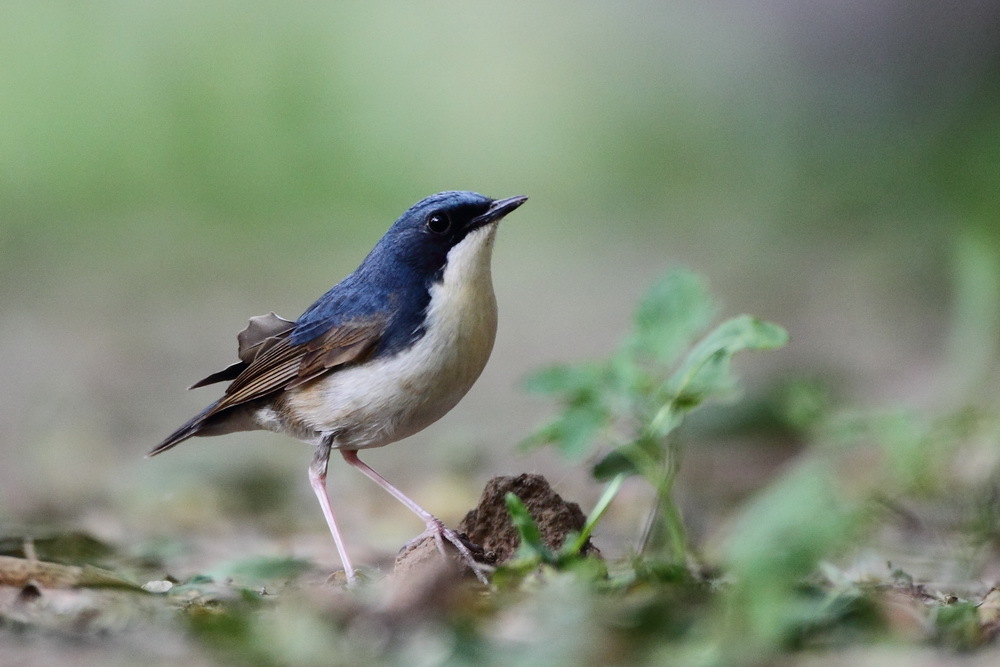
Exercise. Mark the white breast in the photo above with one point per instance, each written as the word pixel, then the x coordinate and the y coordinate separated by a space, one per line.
pixel 389 399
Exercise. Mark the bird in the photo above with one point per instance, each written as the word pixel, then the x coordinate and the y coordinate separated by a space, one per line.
pixel 383 354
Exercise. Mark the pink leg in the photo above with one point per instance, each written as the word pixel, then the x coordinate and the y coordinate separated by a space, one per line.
pixel 434 525
pixel 317 479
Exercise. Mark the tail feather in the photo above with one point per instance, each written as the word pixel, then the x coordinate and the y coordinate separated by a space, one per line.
pixel 188 430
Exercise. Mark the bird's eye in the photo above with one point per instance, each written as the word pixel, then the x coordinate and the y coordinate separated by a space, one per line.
pixel 439 223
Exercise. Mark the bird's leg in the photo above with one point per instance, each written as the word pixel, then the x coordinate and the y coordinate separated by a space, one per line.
pixel 434 525
pixel 317 479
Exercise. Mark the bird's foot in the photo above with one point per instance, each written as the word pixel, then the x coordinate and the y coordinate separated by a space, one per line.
pixel 463 546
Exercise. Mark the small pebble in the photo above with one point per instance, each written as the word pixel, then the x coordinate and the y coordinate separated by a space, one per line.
pixel 157 586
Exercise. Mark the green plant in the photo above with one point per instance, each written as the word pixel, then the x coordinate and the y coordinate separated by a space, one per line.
pixel 628 407
pixel 534 552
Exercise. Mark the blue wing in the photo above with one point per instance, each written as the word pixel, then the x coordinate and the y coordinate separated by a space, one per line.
pixel 353 302
pixel 348 325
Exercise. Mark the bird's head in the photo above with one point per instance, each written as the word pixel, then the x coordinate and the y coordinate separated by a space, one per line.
pixel 422 239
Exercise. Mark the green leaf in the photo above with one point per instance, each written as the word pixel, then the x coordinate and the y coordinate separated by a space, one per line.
pixel 576 380
pixel 532 546
pixel 705 371
pixel 634 458
pixel 958 626
pixel 778 540
pixel 571 433
pixel 784 531
pixel 615 462
pixel 582 389
pixel 573 547
pixel 671 313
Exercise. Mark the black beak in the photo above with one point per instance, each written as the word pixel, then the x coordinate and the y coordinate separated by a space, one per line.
pixel 498 209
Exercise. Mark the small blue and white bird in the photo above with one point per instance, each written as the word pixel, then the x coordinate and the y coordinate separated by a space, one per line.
pixel 382 355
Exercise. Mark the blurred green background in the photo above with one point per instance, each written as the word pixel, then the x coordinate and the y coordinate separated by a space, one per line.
pixel 169 169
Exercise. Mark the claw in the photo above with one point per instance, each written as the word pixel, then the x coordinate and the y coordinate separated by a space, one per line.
pixel 442 533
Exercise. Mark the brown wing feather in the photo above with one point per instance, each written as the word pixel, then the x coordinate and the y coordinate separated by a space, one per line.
pixel 281 365
pixel 260 333
pixel 270 363
pixel 337 347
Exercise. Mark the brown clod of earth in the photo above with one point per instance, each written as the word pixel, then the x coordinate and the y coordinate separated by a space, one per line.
pixel 489 524
pixel 492 535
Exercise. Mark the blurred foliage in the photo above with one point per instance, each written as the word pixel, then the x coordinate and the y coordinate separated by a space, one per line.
pixel 633 402
pixel 177 116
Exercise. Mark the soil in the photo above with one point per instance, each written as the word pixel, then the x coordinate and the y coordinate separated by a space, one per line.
pixel 488 528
